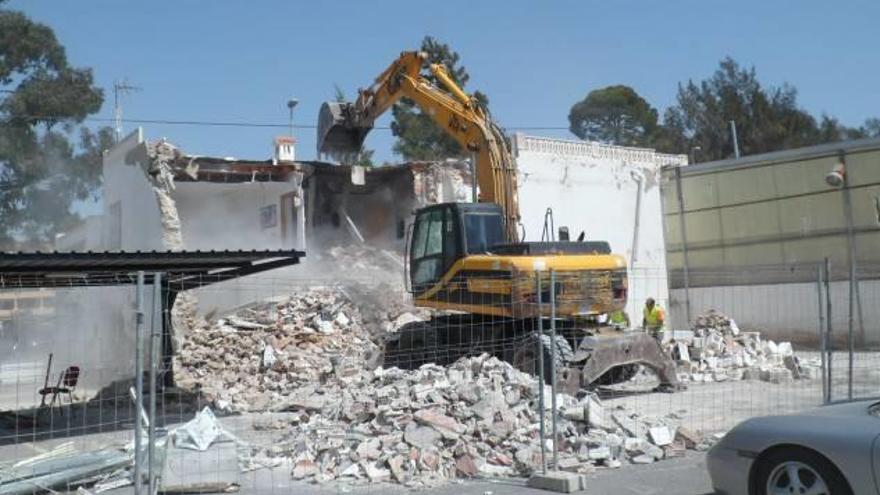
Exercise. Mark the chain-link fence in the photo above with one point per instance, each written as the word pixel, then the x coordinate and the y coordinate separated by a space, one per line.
pixel 281 381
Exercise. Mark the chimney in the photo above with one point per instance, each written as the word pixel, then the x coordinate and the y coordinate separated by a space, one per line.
pixel 284 149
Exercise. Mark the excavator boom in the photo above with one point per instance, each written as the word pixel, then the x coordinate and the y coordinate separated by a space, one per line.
pixel 343 127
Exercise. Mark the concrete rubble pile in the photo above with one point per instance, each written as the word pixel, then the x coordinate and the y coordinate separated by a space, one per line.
pixel 476 418
pixel 255 359
pixel 372 279
pixel 304 363
pixel 717 350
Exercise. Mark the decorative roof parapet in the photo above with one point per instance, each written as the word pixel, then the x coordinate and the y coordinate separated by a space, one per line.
pixel 590 149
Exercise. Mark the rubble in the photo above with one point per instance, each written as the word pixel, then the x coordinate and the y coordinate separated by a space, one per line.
pixel 274 355
pixel 350 421
pixel 311 356
pixel 718 350
pixel 425 426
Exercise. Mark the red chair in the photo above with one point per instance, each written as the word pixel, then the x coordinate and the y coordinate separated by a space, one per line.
pixel 66 384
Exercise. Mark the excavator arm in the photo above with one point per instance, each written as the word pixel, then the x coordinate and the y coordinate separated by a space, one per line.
pixel 342 127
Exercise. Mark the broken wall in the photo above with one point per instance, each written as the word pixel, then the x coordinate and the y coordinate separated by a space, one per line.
pixel 131 214
pixel 232 216
pixel 381 206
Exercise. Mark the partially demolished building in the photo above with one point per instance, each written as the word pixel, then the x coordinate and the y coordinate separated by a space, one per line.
pixel 607 192
pixel 227 203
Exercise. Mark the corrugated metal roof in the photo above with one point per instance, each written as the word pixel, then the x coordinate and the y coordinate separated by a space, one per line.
pixel 186 268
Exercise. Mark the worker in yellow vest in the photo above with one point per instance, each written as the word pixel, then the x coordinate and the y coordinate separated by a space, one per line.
pixel 653 319
pixel 619 319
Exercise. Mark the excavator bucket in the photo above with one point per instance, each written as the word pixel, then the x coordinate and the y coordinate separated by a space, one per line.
pixel 338 135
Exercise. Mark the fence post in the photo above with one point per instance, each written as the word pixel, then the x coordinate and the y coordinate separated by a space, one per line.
pixel 553 352
pixel 139 381
pixel 828 328
pixel 822 343
pixel 540 371
pixel 155 339
pixel 684 245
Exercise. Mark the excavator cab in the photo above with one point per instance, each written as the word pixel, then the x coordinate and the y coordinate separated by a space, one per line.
pixel 445 233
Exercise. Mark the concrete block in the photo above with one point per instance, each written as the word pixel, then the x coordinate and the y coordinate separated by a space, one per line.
pixel 660 435
pixel 557 481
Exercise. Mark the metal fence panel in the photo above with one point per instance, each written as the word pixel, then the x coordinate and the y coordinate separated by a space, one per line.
pixel 283 388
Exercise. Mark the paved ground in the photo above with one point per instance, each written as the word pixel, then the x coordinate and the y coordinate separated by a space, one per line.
pixel 684 476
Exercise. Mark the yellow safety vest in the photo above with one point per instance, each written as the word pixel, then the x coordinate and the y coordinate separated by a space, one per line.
pixel 654 318
pixel 618 317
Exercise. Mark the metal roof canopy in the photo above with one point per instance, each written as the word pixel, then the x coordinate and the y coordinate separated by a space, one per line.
pixel 183 269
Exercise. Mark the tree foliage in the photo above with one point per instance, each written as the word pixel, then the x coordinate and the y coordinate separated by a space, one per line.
pixel 418 137
pixel 767 118
pixel 47 162
pixel 614 115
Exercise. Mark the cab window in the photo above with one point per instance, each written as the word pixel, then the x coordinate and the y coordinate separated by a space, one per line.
pixel 482 231
pixel 434 247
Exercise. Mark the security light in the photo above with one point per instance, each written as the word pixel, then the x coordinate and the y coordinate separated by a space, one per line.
pixel 837 176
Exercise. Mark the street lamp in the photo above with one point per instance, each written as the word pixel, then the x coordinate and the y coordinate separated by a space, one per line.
pixel 291 104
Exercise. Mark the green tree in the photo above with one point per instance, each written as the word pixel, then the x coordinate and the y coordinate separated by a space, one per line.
pixel 767 118
pixel 418 137
pixel 614 115
pixel 43 100
pixel 871 127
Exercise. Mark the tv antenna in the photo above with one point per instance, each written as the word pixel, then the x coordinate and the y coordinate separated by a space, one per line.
pixel 120 88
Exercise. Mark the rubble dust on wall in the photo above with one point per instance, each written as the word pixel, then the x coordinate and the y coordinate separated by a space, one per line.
pixel 442 182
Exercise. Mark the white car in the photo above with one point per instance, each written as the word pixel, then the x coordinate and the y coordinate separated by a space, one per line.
pixel 831 450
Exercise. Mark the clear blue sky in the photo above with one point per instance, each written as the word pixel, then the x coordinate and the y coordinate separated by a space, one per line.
pixel 241 61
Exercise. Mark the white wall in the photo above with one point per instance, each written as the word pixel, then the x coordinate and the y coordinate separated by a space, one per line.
pixel 213 215
pixel 592 187
pixel 227 216
pixel 128 186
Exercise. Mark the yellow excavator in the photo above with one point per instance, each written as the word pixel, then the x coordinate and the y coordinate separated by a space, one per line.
pixel 468 259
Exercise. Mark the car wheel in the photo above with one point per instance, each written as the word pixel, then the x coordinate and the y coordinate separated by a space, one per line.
pixel 794 471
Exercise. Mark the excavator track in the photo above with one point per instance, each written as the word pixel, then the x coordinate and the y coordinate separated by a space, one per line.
pixel 582 361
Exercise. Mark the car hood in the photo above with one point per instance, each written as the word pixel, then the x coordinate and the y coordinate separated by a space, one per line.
pixel 812 428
